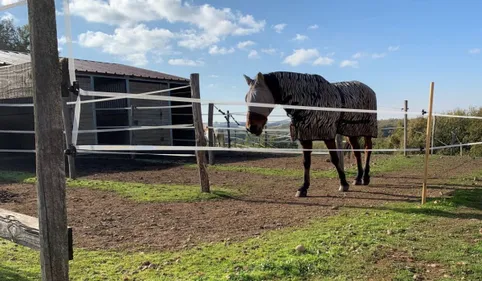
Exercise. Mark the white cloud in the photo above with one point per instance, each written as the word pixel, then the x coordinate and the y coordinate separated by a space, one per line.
pixel 270 51
pixel 393 48
pixel 190 39
pixel 349 63
pixel 62 40
pixel 301 56
pixel 206 17
pixel 315 26
pixel 214 76
pixel 208 25
pixel 279 27
pixel 9 16
pixel 244 44
pixel 215 50
pixel 212 85
pixel 330 54
pixel 323 61
pixel 474 51
pixel 130 43
pixel 185 62
pixel 282 54
pixel 300 37
pixel 378 55
pixel 253 54
pixel 358 55
pixel 8 2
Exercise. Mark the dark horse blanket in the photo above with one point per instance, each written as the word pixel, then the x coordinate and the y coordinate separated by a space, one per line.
pixel 292 88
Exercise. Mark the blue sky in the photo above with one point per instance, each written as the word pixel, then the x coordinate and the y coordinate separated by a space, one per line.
pixel 396 47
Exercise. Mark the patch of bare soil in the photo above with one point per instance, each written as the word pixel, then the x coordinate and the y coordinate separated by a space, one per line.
pixel 104 220
pixel 7 196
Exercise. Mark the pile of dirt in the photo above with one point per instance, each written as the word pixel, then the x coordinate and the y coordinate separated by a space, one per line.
pixel 7 196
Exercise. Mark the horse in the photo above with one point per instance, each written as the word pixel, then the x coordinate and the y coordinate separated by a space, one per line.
pixel 292 88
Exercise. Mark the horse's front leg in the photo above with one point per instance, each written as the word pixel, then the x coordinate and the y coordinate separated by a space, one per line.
pixel 303 190
pixel 368 153
pixel 331 145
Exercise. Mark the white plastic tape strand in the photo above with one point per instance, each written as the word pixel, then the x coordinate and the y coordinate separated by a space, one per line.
pixel 207 148
pixel 16 132
pixel 162 107
pixel 455 145
pixel 135 153
pixel 68 37
pixel 12 5
pixel 457 116
pixel 16 104
pixel 115 96
pixel 76 122
pixel 244 129
pixel 187 126
pixel 16 151
pixel 241 103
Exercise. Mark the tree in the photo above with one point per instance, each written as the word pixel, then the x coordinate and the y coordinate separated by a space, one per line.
pixel 14 38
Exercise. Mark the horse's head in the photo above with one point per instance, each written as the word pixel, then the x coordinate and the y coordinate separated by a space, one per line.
pixel 258 93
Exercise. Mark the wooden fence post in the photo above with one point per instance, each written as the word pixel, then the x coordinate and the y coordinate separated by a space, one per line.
pixel 211 132
pixel 405 128
pixel 66 116
pixel 427 144
pixel 47 100
pixel 229 126
pixel 199 130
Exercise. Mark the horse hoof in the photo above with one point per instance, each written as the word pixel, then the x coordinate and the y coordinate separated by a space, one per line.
pixel 366 181
pixel 343 188
pixel 357 182
pixel 302 193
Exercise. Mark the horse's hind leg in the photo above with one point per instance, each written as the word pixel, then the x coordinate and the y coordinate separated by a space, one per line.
pixel 303 190
pixel 331 145
pixel 368 153
pixel 356 145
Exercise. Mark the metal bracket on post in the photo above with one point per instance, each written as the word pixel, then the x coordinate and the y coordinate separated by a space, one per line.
pixel 75 88
pixel 71 151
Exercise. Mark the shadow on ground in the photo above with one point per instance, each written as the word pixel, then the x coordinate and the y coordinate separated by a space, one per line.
pixel 92 164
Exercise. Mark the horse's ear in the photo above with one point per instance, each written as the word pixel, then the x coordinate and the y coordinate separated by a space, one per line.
pixel 259 76
pixel 248 80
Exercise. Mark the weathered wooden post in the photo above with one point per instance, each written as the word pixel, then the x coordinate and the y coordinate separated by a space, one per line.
pixel 211 132
pixel 49 136
pixel 199 131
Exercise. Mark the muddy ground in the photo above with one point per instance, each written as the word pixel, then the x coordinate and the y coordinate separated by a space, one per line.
pixel 104 220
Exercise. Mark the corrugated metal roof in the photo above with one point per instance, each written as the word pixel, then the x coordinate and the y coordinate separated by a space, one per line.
pixel 10 57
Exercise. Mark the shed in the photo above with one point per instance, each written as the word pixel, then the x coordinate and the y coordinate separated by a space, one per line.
pixel 15 87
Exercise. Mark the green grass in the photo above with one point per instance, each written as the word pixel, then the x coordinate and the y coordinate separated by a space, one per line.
pixel 392 242
pixel 391 164
pixel 139 192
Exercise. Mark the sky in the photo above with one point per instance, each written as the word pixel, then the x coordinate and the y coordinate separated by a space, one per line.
pixel 396 47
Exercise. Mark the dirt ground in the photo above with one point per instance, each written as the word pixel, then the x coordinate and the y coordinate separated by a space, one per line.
pixel 104 220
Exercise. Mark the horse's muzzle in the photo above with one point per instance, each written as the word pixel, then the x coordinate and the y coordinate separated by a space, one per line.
pixel 254 129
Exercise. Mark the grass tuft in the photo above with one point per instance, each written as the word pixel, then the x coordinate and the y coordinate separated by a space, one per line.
pixel 139 192
pixel 391 164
